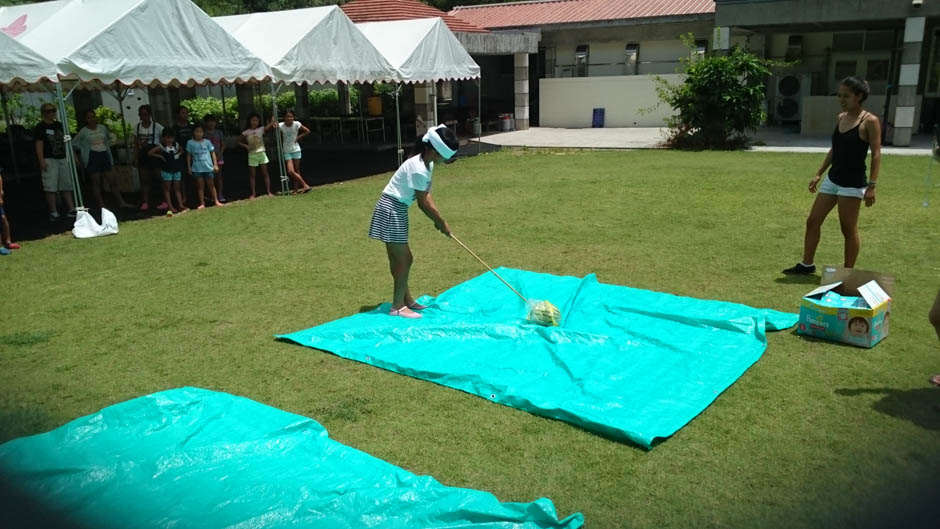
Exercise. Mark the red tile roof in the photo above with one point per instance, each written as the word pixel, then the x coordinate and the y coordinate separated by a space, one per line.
pixel 383 10
pixel 545 12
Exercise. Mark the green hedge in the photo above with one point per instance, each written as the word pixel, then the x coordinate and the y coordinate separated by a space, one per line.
pixel 322 103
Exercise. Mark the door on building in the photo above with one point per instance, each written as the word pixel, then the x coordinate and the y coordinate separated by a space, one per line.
pixel 873 68
pixel 863 54
pixel 536 72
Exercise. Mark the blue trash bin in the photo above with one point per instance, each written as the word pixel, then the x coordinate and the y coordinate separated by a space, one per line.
pixel 598 121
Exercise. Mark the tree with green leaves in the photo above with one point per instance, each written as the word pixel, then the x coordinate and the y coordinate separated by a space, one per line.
pixel 720 99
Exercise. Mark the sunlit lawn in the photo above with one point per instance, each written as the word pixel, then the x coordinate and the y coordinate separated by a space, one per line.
pixel 813 435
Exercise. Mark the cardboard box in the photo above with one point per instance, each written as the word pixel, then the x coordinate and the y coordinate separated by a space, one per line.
pixel 864 323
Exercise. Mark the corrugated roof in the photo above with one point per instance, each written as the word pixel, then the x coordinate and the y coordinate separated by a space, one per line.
pixel 546 12
pixel 384 10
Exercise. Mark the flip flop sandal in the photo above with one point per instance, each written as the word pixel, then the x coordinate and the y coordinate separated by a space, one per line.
pixel 935 380
pixel 404 314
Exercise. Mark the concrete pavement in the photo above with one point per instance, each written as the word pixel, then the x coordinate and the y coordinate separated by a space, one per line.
pixel 769 139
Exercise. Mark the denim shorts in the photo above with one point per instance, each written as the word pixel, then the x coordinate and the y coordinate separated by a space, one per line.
pixel 292 155
pixel 207 175
pixel 171 177
pixel 828 187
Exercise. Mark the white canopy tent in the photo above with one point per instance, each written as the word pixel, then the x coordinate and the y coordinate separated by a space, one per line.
pixel 122 43
pixel 18 19
pixel 21 66
pixel 142 42
pixel 313 45
pixel 24 68
pixel 421 51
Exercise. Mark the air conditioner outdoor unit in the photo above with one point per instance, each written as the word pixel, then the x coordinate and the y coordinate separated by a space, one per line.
pixel 789 91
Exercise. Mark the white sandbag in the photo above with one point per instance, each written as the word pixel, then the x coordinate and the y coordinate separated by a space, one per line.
pixel 109 223
pixel 85 226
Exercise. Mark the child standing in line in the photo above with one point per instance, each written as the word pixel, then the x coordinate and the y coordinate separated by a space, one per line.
pixel 217 137
pixel 93 143
pixel 8 243
pixel 147 137
pixel 184 129
pixel 291 133
pixel 184 133
pixel 171 161
pixel 412 181
pixel 253 139
pixel 202 165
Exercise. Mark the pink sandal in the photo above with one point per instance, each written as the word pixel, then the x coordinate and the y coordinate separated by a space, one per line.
pixel 417 306
pixel 404 312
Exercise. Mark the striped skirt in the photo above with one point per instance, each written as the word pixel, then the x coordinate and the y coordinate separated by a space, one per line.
pixel 389 221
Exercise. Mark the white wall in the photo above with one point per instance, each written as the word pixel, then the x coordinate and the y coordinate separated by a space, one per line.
pixel 607 58
pixel 820 113
pixel 661 56
pixel 569 102
pixel 660 46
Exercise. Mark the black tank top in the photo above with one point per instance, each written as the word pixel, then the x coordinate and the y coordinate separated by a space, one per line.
pixel 848 157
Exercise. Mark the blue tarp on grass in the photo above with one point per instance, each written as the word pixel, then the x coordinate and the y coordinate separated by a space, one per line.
pixel 629 364
pixel 193 458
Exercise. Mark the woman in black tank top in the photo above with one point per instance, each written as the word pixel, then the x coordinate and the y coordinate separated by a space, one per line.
pixel 845 186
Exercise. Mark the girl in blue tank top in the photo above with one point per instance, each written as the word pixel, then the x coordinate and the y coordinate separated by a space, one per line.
pixel 856 131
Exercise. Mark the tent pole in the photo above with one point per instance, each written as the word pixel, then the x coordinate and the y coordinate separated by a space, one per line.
pixel 222 117
pixel 69 155
pixel 6 115
pixel 120 96
pixel 398 123
pixel 285 185
pixel 480 112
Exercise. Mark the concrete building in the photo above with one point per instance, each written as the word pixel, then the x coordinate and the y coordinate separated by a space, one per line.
pixel 595 54
pixel 893 44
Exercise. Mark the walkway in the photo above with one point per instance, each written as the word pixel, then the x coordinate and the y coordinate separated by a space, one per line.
pixel 766 139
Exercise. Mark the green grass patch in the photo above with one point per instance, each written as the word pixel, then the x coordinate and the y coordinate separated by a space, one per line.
pixel 813 435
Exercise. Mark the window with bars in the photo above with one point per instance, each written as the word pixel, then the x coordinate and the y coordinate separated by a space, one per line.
pixel 631 58
pixel 581 57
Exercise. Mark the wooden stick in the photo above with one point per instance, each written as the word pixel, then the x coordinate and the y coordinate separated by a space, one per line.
pixel 464 246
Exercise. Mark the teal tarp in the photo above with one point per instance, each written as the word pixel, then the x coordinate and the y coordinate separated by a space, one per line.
pixel 193 458
pixel 629 364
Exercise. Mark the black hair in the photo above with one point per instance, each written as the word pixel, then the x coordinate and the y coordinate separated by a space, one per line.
pixel 181 107
pixel 209 117
pixel 253 115
pixel 90 110
pixel 446 134
pixel 858 87
pixel 168 133
pixel 290 111
pixel 145 107
pixel 199 125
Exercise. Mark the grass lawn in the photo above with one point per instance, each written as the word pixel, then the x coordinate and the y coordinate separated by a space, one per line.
pixel 813 435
